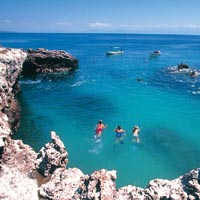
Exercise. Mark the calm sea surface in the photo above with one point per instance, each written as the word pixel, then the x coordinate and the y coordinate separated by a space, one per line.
pixel 165 105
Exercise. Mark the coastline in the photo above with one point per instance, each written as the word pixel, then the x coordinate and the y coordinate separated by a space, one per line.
pixel 47 170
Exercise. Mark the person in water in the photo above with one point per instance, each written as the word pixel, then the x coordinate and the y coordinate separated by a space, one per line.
pixel 119 134
pixel 135 132
pixel 99 128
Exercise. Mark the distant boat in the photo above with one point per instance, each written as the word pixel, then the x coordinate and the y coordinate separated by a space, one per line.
pixel 155 53
pixel 114 51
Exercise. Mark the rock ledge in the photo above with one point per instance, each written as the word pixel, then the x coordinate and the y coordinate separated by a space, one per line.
pixel 48 61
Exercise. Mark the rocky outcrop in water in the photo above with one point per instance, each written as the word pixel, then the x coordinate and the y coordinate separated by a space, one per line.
pixel 182 66
pixel 47 61
pixel 184 69
pixel 27 175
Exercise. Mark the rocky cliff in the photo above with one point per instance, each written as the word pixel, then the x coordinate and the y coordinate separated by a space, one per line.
pixel 11 61
pixel 27 175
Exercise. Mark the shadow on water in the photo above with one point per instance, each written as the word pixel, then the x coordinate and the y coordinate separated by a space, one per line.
pixel 168 144
pixel 39 90
pixel 29 129
pixel 55 77
pixel 90 106
pixel 119 75
pixel 58 76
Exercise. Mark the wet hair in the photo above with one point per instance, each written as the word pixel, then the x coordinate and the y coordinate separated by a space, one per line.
pixel 136 127
pixel 118 127
pixel 100 121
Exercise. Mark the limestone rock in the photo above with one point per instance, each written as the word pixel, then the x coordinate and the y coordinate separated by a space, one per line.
pixel 17 154
pixel 10 68
pixel 11 61
pixel 52 156
pixel 16 168
pixel 102 185
pixel 73 184
pixel 63 184
pixel 185 187
pixel 45 61
pixel 16 185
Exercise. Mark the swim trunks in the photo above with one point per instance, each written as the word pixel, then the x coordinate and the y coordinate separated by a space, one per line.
pixel 135 135
pixel 99 130
pixel 119 134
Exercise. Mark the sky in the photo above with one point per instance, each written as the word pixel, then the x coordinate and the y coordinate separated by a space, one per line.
pixel 101 16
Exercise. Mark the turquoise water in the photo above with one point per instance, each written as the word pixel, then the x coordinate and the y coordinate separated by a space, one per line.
pixel 166 106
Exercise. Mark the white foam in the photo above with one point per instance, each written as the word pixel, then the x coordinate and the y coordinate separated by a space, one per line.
pixel 29 82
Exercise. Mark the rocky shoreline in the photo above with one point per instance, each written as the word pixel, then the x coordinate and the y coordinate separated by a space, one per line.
pixel 26 174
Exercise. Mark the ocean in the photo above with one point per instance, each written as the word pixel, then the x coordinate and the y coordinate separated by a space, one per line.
pixel 165 105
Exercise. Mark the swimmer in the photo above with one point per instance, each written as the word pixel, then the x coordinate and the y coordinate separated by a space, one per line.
pixel 135 132
pixel 99 128
pixel 119 134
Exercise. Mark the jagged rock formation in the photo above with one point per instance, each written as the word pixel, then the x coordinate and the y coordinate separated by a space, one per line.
pixel 73 184
pixel 185 187
pixel 16 168
pixel 52 156
pixel 27 175
pixel 10 68
pixel 16 159
pixel 46 61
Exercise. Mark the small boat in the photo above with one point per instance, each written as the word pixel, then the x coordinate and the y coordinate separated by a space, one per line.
pixel 155 54
pixel 114 51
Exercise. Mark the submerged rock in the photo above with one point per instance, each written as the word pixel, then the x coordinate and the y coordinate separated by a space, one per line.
pixel 47 61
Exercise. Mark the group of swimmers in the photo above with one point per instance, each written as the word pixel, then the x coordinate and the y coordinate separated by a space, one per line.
pixel 120 133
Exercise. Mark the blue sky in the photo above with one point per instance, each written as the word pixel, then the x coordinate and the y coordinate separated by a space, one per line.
pixel 103 16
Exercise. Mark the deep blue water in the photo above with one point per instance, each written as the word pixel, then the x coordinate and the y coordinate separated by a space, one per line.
pixel 165 105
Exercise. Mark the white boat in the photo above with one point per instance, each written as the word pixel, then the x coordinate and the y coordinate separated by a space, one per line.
pixel 115 51
pixel 156 53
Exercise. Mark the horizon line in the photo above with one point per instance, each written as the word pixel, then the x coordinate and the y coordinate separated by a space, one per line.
pixel 125 33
